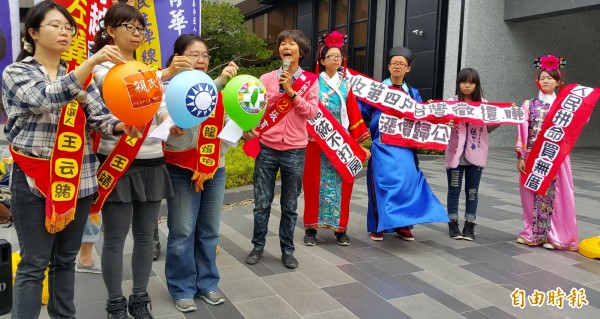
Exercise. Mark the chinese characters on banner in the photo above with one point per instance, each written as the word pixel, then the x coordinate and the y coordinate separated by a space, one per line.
pixel 165 21
pixel 411 133
pixel 335 142
pixel 409 123
pixel 568 114
pixel 87 14
pixel 396 102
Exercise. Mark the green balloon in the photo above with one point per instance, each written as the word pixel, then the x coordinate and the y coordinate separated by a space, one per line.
pixel 245 100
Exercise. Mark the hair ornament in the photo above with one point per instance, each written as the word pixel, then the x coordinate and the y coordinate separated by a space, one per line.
pixel 549 63
pixel 334 39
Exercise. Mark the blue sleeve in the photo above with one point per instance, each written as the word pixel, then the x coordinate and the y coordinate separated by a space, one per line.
pixel 366 110
pixel 416 94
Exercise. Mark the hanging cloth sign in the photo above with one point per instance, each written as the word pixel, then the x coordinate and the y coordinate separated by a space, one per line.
pixel 394 101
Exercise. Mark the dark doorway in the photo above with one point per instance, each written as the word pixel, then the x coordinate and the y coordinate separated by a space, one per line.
pixel 425 34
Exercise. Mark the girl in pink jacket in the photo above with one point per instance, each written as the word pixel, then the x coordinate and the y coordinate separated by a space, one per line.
pixel 466 155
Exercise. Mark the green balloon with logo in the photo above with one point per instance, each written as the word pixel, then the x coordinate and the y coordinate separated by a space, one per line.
pixel 245 101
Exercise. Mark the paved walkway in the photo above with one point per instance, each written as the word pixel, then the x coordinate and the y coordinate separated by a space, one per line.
pixel 432 277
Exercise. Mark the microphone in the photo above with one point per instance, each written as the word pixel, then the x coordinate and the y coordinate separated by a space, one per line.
pixel 284 67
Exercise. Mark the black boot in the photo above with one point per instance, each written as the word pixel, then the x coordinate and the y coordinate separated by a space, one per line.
pixel 454 230
pixel 140 306
pixel 117 308
pixel 469 230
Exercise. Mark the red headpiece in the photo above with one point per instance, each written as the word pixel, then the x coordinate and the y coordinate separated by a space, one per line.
pixel 334 39
pixel 549 63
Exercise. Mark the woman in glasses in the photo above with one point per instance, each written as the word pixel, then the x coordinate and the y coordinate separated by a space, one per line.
pixel 135 199
pixel 47 128
pixel 195 209
pixel 326 194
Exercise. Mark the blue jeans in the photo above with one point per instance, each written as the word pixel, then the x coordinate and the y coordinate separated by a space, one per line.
pixel 91 233
pixel 268 163
pixel 40 249
pixel 194 218
pixel 472 176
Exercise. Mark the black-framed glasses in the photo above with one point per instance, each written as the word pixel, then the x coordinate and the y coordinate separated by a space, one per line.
pixel 333 57
pixel 69 29
pixel 198 57
pixel 131 28
pixel 398 64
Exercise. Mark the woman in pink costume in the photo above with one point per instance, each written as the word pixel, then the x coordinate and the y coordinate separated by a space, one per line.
pixel 548 220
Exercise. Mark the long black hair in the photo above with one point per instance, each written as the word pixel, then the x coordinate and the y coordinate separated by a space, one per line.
pixel 116 15
pixel 33 20
pixel 471 76
pixel 184 41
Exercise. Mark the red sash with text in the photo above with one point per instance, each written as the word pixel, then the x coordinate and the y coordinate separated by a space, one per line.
pixel 410 123
pixel 281 108
pixel 115 166
pixel 204 159
pixel 57 178
pixel 344 153
pixel 568 114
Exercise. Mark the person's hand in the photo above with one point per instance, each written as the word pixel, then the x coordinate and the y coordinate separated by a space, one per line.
pixel 285 80
pixel 109 53
pixel 228 73
pixel 521 165
pixel 450 123
pixel 176 131
pixel 366 151
pixel 181 63
pixel 134 131
pixel 248 135
pixel 129 130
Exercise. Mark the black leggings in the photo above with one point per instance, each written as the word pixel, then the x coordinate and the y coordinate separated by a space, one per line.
pixel 117 218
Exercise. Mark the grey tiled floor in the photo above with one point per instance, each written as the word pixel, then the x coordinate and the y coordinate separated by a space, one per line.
pixel 432 277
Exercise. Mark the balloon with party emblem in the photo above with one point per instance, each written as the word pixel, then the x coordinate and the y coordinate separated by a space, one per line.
pixel 191 97
pixel 132 92
pixel 245 101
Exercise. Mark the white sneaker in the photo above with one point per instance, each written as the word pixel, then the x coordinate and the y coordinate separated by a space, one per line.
pixel 520 240
pixel 92 269
pixel 213 298
pixel 548 246
pixel 185 305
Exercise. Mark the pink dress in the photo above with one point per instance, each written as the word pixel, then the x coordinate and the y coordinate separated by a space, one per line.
pixel 550 218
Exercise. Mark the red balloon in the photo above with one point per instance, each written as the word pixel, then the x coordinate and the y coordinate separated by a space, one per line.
pixel 132 92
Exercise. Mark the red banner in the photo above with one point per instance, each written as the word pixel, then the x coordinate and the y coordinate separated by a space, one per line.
pixel 568 114
pixel 335 142
pixel 115 166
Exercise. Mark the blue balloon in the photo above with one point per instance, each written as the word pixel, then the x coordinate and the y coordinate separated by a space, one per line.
pixel 191 97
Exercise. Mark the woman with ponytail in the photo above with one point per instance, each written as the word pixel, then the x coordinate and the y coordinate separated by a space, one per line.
pixel 50 113
pixel 136 195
